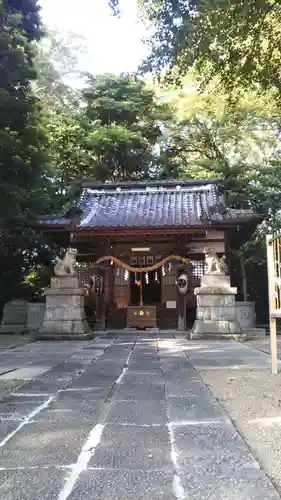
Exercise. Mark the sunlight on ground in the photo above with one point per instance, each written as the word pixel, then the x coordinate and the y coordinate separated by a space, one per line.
pixel 266 421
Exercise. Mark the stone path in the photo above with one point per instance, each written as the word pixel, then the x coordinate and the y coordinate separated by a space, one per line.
pixel 123 418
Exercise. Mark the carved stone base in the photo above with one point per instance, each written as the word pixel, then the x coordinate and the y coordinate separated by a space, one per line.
pixel 217 327
pixel 64 314
pixel 216 312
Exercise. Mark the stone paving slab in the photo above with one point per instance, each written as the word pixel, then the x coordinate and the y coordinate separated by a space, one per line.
pixel 187 375
pixel 99 369
pixel 7 426
pixel 15 410
pixel 139 392
pixel 215 355
pixel 123 485
pixel 130 419
pixel 42 386
pixel 54 375
pixel 204 484
pixel 63 369
pixel 185 388
pixel 194 409
pixel 90 381
pixel 134 413
pixel 45 444
pixel 71 411
pixel 263 344
pixel 15 398
pixel 26 373
pixel 145 366
pixel 12 341
pixel 144 370
pixel 133 447
pixel 88 394
pixel 132 377
pixel 7 386
pixel 39 484
pixel 213 444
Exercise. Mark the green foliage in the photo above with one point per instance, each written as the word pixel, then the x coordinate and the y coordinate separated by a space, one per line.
pixel 210 138
pixel 126 126
pixel 239 41
pixel 24 184
pixel 115 134
pixel 69 155
pixel 240 143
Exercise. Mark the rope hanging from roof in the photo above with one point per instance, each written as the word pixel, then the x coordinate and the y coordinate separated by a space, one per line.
pixel 142 269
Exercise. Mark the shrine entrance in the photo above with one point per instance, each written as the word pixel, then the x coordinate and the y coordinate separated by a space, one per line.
pixel 149 285
pixel 144 292
pixel 146 228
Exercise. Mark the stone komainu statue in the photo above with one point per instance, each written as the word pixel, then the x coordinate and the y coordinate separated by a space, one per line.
pixel 214 264
pixel 66 266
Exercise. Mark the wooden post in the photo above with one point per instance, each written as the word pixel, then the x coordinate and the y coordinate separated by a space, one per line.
pixel 100 305
pixel 141 297
pixel 111 285
pixel 271 302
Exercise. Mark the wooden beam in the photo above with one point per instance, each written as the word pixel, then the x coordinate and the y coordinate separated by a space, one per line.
pixel 139 231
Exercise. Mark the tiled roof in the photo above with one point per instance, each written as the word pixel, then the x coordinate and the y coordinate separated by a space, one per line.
pixel 169 204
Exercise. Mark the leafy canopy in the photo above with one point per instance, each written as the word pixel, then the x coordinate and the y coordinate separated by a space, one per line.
pixel 24 184
pixel 210 138
pixel 239 41
pixel 113 135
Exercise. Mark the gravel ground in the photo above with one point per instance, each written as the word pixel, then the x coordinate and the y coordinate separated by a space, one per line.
pixel 263 344
pixel 253 401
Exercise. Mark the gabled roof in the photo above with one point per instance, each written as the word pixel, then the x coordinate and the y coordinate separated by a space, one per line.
pixel 166 204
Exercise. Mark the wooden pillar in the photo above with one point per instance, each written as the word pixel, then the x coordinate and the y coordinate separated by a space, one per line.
pixel 111 285
pixel 99 296
pixel 141 292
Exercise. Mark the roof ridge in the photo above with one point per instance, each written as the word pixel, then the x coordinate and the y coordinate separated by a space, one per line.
pixel 149 183
pixel 143 190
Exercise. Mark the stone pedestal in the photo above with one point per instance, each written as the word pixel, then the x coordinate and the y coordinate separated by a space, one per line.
pixel 216 311
pixel 14 317
pixel 35 316
pixel 64 317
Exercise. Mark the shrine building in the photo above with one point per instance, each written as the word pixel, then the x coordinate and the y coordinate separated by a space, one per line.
pixel 134 238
